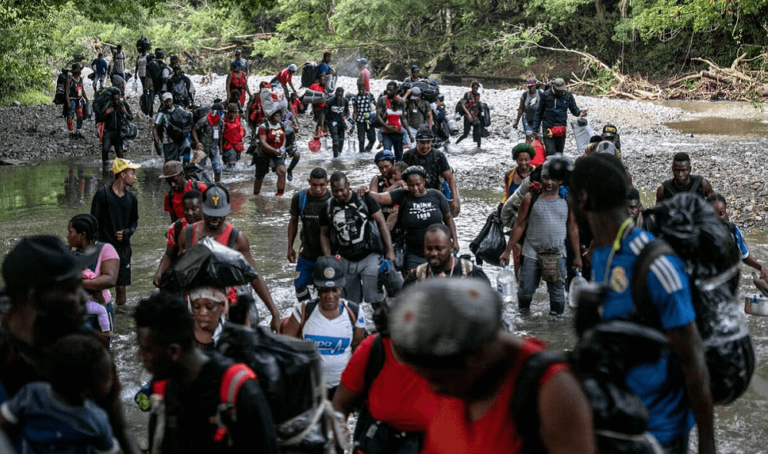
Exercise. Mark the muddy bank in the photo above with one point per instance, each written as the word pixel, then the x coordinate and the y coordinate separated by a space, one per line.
pixel 733 163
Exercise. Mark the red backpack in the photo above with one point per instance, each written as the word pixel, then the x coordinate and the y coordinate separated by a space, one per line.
pixel 233 135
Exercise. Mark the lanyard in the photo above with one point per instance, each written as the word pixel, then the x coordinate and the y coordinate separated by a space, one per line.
pixel 617 245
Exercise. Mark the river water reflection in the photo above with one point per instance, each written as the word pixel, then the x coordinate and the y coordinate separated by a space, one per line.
pixel 41 199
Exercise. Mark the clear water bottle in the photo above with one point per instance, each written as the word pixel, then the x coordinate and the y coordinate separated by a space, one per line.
pixel 505 284
pixel 573 291
pixel 324 142
pixel 135 85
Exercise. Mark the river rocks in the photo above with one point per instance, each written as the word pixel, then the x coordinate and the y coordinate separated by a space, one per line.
pixel 16 104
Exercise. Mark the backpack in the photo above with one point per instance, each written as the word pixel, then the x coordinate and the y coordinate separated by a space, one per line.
pixel 199 113
pixel 155 69
pixel 233 133
pixel 352 310
pixel 429 90
pixel 60 97
pixel 102 101
pixel 179 91
pixel 373 241
pixel 308 74
pixel 180 124
pixel 686 226
pixel 145 102
pixel 143 44
pixel 289 373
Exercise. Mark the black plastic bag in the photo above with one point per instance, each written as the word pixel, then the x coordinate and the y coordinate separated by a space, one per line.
pixel 288 369
pixel 208 263
pixel 197 173
pixel 389 278
pixel 490 243
pixel 690 226
pixel 227 267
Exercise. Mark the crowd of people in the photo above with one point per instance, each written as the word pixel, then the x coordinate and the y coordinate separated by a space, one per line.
pixel 436 371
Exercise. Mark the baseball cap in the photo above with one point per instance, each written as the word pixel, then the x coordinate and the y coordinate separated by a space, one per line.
pixel 558 84
pixel 171 169
pixel 529 132
pixel 120 164
pixel 610 130
pixel 362 60
pixel 414 68
pixel 216 201
pixel 42 260
pixel 384 155
pixel 424 134
pixel 166 96
pixel 606 146
pixel 442 318
pixel 76 67
pixel 292 67
pixel 530 82
pixel 328 273
pixel 416 92
pixel 238 51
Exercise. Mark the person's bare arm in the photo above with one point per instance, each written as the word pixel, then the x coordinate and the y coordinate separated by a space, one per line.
pixel 706 186
pixel 325 239
pixel 293 228
pixel 573 235
pixel 518 229
pixel 456 202
pixel 659 194
pixel 382 198
pixel 687 346
pixel 520 111
pixel 107 277
pixel 293 327
pixel 165 262
pixel 374 184
pixel 385 236
pixel 357 337
pixel 565 417
pixel 448 220
pixel 750 261
pixel 243 246
pixel 345 401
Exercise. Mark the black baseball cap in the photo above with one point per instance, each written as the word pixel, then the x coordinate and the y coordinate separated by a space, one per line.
pixel 43 260
pixel 328 272
pixel 216 201
pixel 610 130
pixel 414 68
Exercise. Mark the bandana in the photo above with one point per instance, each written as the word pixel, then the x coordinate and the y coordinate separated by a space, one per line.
pixel 210 293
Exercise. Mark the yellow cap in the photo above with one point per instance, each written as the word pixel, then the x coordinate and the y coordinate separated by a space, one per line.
pixel 121 164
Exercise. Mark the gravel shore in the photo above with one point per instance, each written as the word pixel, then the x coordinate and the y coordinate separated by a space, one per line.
pixel 734 165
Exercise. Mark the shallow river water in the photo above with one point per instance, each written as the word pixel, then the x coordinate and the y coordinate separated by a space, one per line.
pixel 41 199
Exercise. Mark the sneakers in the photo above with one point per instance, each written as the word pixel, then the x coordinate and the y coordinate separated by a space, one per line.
pixel 278 194
pixel 289 175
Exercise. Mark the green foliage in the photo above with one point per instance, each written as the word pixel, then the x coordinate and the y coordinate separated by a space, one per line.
pixel 26 97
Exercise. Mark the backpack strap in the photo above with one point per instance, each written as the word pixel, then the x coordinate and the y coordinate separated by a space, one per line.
pixel 353 310
pixel 640 295
pixel 525 399
pixel 177 230
pixel 696 183
pixel 233 237
pixel 375 362
pixel 306 310
pixel 189 231
pixel 303 200
pixel 234 378
pixel 669 189
pixel 99 246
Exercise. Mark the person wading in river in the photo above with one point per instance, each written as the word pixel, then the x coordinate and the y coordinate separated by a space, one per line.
pixel 117 211
pixel 215 225
pixel 683 181
pixel 192 205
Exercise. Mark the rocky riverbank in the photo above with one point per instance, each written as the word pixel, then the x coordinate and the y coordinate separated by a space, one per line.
pixel 733 164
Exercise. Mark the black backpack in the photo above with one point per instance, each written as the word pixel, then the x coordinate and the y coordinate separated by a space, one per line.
pixel 145 102
pixel 373 239
pixel 308 74
pixel 155 69
pixel 102 101
pixel 143 44
pixel 60 97
pixel 180 124
pixel 179 91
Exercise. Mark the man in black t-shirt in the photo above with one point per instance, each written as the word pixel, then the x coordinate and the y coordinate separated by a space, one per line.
pixel 336 113
pixel 117 211
pixel 344 228
pixel 438 246
pixel 435 165
pixel 187 419
pixel 307 206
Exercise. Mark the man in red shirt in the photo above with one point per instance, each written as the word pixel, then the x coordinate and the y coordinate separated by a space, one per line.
pixel 285 77
pixel 173 174
pixel 450 332
pixel 192 203
pixel 318 109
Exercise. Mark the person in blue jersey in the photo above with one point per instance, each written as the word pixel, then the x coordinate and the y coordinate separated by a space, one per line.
pixel 336 326
pixel 719 204
pixel 675 390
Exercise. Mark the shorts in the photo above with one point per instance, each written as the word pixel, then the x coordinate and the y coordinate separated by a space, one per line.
pixel 304 270
pixel 264 165
pixel 124 271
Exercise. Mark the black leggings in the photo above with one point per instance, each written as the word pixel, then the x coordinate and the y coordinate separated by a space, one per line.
pixel 476 130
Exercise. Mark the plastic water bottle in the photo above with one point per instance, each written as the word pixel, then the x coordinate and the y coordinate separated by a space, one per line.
pixel 135 85
pixel 505 284
pixel 573 290
pixel 324 141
